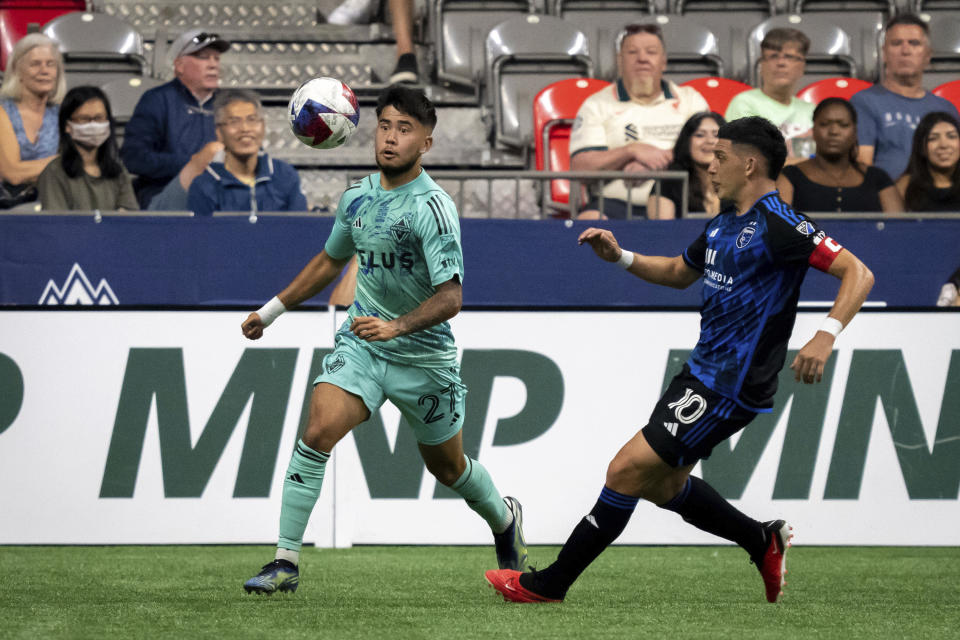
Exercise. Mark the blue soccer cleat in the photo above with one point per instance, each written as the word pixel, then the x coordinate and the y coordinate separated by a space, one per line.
pixel 279 575
pixel 510 545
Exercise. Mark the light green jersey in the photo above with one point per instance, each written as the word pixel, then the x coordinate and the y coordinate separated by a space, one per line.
pixel 407 241
pixel 794 119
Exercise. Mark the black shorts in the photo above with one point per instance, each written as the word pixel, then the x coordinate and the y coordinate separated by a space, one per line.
pixel 690 420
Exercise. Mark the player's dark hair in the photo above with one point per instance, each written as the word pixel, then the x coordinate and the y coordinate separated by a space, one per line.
pixel 409 100
pixel 760 134
pixel 108 157
pixel 908 19
pixel 854 153
pixel 920 185
pixel 683 160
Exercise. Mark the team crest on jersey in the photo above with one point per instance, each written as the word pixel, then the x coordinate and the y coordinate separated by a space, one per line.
pixel 400 229
pixel 746 235
pixel 805 228
pixel 336 364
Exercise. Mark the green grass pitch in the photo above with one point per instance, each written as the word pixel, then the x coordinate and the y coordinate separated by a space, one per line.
pixel 440 593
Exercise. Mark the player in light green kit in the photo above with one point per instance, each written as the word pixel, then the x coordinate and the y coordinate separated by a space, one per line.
pixel 396 343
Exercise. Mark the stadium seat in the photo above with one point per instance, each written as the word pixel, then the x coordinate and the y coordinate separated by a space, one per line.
pixel 601 21
pixel 525 54
pixel 731 21
pixel 124 92
pixel 554 109
pixel 718 92
pixel 16 16
pixel 834 51
pixel 832 88
pixel 460 29
pixel 950 91
pixel 944 50
pixel 888 7
pixel 97 48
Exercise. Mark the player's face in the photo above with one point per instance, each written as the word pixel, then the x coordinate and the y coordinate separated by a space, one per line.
pixel 906 50
pixel 782 70
pixel 834 132
pixel 943 146
pixel 401 140
pixel 642 62
pixel 703 140
pixel 199 72
pixel 727 171
pixel 38 70
pixel 240 128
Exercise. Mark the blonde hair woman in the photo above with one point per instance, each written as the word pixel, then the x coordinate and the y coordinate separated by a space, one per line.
pixel 32 87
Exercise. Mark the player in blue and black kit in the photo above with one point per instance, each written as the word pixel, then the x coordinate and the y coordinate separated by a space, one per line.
pixel 396 343
pixel 752 260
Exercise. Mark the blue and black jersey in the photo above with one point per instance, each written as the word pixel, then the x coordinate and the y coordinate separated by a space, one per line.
pixel 753 265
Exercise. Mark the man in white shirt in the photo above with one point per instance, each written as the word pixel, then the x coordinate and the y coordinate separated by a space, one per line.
pixel 633 124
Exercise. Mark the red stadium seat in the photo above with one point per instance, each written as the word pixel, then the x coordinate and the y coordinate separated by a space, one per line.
pixel 554 109
pixel 832 88
pixel 718 92
pixel 949 91
pixel 17 15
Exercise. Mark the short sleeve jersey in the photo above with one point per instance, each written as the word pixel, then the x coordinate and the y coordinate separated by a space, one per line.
pixel 609 119
pixel 407 241
pixel 886 121
pixel 794 119
pixel 753 265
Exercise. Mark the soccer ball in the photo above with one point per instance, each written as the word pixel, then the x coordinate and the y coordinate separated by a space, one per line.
pixel 323 113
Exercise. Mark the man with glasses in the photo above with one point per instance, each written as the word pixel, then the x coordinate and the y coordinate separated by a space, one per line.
pixel 782 63
pixel 888 113
pixel 633 124
pixel 247 179
pixel 172 125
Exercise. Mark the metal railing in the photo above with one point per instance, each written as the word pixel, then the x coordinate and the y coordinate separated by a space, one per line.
pixel 578 179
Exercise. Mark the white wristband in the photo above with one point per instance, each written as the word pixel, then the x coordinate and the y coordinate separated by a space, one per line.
pixel 831 326
pixel 270 311
pixel 626 259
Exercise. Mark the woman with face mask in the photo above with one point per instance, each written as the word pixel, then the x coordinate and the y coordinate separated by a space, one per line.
pixel 88 173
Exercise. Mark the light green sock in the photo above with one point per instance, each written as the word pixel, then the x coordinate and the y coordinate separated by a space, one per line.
pixel 301 488
pixel 476 487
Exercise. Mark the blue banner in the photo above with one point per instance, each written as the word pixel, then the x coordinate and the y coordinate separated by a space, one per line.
pixel 509 263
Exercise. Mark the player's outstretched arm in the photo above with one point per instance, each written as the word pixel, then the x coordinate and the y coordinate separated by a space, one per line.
pixel 441 306
pixel 670 272
pixel 856 280
pixel 314 278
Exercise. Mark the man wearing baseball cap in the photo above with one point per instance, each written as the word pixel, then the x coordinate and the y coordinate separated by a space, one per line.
pixel 172 125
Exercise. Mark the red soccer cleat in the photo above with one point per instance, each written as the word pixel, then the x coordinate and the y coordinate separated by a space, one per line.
pixel 507 582
pixel 773 564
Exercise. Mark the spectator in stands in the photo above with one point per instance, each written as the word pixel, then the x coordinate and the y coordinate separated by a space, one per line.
pixel 693 153
pixel 88 173
pixel 401 14
pixel 633 124
pixel 889 112
pixel 782 63
pixel 172 124
pixel 834 179
pixel 247 179
pixel 948 293
pixel 33 86
pixel 932 179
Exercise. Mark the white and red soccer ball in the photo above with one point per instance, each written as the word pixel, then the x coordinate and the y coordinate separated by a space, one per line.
pixel 323 113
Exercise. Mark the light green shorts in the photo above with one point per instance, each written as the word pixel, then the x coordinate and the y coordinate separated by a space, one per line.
pixel 431 400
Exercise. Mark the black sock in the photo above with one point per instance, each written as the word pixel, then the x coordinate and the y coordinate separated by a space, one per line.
pixel 590 537
pixel 700 505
